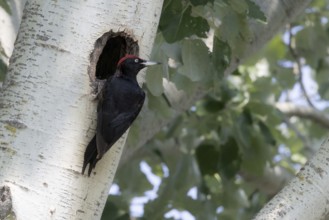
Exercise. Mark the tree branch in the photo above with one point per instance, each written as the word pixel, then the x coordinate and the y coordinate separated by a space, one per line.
pixel 299 69
pixel 290 109
pixel 306 196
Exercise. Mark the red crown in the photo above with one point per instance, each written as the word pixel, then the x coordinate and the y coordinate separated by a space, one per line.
pixel 127 56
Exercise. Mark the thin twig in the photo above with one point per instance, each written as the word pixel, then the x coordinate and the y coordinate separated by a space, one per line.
pixel 305 112
pixel 299 67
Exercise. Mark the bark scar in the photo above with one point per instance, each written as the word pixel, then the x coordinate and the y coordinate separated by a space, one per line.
pixel 6 204
pixel 15 123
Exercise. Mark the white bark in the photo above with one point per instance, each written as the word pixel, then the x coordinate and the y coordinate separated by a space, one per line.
pixel 306 196
pixel 46 114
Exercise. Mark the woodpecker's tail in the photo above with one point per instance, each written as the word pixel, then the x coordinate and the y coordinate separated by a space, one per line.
pixel 90 156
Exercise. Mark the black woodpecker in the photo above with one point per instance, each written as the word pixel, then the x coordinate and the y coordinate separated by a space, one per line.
pixel 120 101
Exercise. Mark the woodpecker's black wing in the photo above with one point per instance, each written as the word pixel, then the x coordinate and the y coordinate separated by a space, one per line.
pixel 120 103
pixel 122 100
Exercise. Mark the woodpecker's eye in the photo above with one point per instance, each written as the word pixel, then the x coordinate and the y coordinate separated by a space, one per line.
pixel 136 60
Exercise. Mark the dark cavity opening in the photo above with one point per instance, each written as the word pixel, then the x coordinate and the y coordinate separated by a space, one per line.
pixel 109 48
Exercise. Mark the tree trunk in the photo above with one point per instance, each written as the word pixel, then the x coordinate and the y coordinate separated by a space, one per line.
pixel 306 196
pixel 47 115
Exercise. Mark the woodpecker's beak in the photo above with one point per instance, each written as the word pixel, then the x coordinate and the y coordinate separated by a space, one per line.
pixel 150 63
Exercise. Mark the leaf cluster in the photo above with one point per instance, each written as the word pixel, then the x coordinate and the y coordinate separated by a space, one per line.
pixel 203 158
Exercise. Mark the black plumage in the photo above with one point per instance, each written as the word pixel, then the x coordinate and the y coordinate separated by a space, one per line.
pixel 120 102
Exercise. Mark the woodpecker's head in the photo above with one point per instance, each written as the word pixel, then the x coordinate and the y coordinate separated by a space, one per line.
pixel 131 64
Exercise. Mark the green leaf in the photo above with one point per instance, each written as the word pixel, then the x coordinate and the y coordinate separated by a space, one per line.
pixel 175 127
pixel 173 189
pixel 265 111
pixel 234 196
pixel 309 44
pixel 2 51
pixel 201 209
pixel 134 132
pixel 182 82
pixel 188 172
pixel 239 6
pixel 177 22
pixel 255 11
pixel 211 105
pixel 114 211
pixel 221 55
pixel 195 60
pixel 3 70
pixel 254 150
pixel 211 185
pixel 266 133
pixel 229 29
pixel 207 156
pixel 243 130
pixel 255 155
pixel 274 50
pixel 154 80
pixel 132 171
pixel 285 77
pixel 229 160
pixel 264 89
pixel 214 106
pixel 5 6
pixel 173 51
pixel 324 90
pixel 322 78
pixel 225 93
pixel 234 30
pixel 154 74
pixel 159 105
pixel 201 2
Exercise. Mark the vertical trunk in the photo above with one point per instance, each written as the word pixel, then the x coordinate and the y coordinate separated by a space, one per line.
pixel 47 116
pixel 306 196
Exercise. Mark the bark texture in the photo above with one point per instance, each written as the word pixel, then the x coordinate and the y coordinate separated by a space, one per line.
pixel 46 113
pixel 306 196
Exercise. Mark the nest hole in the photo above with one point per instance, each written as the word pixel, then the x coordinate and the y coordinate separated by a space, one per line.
pixel 109 48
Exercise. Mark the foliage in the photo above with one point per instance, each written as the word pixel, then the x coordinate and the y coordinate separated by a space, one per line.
pixel 201 158
pixel 5 6
pixel 3 69
pixel 3 65
pixel 198 163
